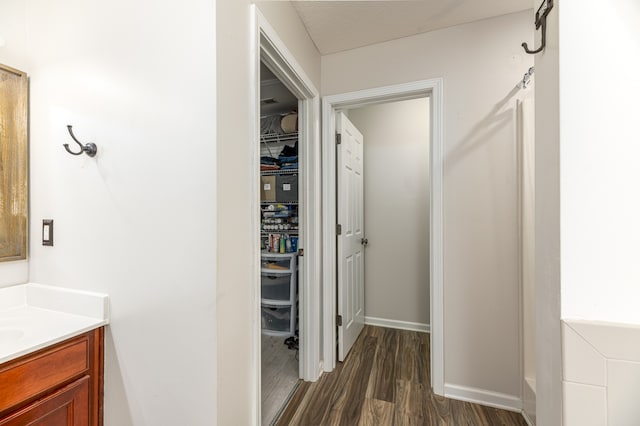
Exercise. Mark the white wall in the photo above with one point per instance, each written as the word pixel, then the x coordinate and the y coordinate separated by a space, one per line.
pixel 138 221
pixel 481 63
pixel 599 151
pixel 285 20
pixel 236 375
pixel 586 227
pixel 16 272
pixel 396 209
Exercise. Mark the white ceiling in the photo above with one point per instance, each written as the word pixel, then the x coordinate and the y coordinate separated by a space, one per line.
pixel 335 26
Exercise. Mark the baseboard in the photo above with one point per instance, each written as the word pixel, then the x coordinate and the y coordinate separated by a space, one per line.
pixel 529 401
pixel 401 325
pixel 483 397
pixel 528 419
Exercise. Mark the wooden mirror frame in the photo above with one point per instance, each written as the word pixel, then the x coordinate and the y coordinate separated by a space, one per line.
pixel 14 103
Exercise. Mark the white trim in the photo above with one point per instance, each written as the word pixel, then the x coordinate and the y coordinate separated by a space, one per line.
pixel 519 160
pixel 266 46
pixel 330 104
pixel 528 419
pixel 256 376
pixel 400 325
pixel 483 397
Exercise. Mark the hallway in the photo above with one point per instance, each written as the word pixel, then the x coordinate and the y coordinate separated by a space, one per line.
pixel 385 381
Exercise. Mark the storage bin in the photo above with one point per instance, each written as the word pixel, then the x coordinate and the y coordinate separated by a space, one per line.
pixel 276 318
pixel 276 263
pixel 287 188
pixel 267 188
pixel 276 287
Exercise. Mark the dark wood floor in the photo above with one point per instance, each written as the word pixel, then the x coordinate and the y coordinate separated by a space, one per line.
pixel 385 381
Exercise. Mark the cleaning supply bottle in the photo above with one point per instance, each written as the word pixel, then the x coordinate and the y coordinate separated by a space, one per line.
pixel 282 244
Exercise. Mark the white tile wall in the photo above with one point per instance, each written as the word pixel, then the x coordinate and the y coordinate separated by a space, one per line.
pixel 623 394
pixel 601 373
pixel 587 365
pixel 584 405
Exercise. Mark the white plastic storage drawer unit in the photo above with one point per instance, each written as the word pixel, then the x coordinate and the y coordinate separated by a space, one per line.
pixel 277 319
pixel 278 293
pixel 276 287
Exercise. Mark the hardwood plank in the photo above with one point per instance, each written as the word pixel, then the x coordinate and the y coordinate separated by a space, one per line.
pixel 382 383
pixel 316 408
pixel 347 402
pixel 408 356
pixel 376 412
pixel 413 405
pixel 287 415
pixel 359 383
pixel 373 331
pixel 499 417
pixel 344 396
pixel 440 406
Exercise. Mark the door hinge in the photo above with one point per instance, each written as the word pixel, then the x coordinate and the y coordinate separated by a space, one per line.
pixel 339 229
pixel 339 320
pixel 338 138
pixel 300 252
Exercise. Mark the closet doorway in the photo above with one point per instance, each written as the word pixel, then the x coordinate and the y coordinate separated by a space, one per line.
pixel 287 243
pixel 279 238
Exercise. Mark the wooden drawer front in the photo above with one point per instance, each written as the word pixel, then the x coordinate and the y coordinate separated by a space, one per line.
pixel 30 376
pixel 68 406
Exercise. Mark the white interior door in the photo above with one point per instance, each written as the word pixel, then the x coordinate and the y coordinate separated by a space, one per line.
pixel 350 239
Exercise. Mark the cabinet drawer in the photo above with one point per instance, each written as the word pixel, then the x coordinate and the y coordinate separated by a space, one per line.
pixel 68 406
pixel 31 376
pixel 276 287
pixel 276 318
pixel 282 264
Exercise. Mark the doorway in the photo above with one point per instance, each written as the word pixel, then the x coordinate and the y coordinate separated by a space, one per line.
pixel 279 235
pixel 396 212
pixel 270 52
pixel 333 104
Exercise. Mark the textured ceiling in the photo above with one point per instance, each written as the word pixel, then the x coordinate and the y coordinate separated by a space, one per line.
pixel 335 26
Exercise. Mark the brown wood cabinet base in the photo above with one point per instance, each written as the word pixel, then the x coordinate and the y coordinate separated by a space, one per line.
pixel 58 385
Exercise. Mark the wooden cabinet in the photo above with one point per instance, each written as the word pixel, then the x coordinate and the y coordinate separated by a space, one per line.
pixel 58 385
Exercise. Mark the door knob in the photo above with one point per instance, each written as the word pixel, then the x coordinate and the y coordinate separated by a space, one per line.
pixel 364 241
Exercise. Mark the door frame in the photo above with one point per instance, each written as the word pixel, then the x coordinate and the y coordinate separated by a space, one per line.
pixel 432 88
pixel 266 46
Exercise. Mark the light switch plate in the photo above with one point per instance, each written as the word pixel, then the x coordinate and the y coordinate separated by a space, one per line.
pixel 47 232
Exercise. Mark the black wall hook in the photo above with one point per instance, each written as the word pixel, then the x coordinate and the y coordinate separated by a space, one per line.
pixel 90 149
pixel 541 21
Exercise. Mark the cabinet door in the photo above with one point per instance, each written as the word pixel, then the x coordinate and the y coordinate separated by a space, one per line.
pixel 67 407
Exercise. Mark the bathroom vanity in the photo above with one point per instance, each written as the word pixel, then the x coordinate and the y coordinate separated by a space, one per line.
pixel 51 356
pixel 61 384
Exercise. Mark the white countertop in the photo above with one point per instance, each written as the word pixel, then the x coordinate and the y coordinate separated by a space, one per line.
pixel 34 316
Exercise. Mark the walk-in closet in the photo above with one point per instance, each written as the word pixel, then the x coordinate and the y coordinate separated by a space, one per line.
pixel 279 238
